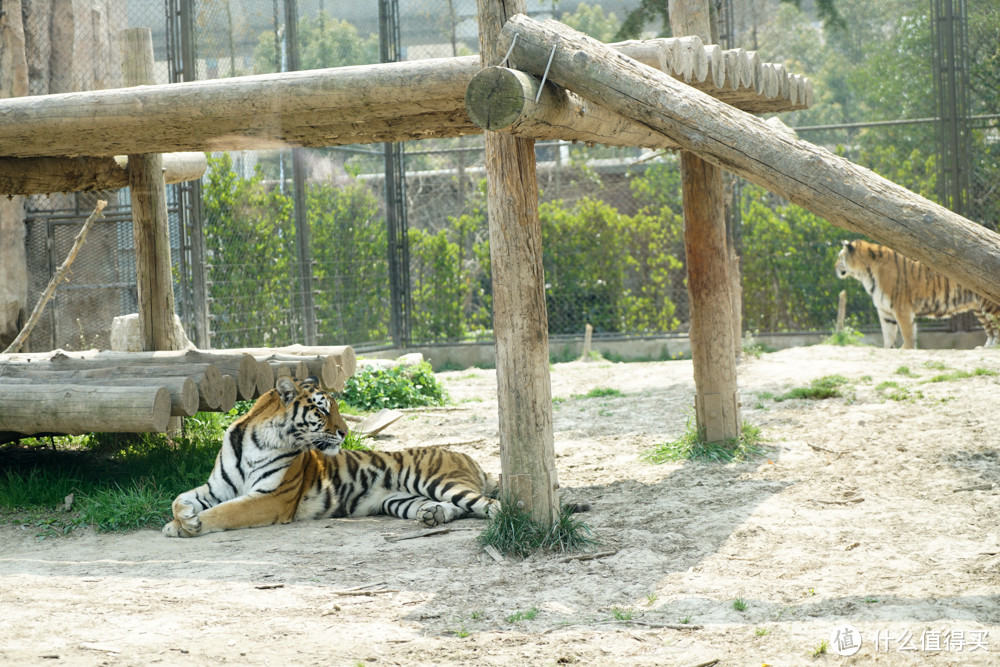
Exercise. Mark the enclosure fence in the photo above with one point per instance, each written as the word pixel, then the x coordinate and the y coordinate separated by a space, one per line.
pixel 387 245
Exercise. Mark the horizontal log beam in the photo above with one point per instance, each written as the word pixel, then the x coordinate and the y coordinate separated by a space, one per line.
pixel 417 99
pixel 183 390
pixel 77 409
pixel 44 175
pixel 844 193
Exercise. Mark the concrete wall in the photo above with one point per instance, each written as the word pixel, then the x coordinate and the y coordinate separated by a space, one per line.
pixel 467 355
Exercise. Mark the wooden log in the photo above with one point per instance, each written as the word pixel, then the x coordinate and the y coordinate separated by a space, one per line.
pixel 228 395
pixel 712 331
pixel 206 377
pixel 184 398
pixel 520 322
pixel 324 367
pixel 44 175
pixel 504 99
pixel 265 378
pixel 844 193
pixel 150 231
pixel 419 99
pixel 241 365
pixel 76 409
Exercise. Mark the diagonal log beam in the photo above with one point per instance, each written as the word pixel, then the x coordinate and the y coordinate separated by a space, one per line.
pixel 844 193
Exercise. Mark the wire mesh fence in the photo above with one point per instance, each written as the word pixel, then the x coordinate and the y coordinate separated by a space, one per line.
pixel 611 217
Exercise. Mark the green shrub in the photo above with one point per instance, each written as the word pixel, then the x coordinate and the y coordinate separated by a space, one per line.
pixel 396 387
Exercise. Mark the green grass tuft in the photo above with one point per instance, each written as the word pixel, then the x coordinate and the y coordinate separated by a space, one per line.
pixel 961 375
pixel 846 336
pixel 692 446
pixel 829 386
pixel 513 532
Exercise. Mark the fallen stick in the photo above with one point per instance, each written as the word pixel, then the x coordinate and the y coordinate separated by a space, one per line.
pixel 56 279
pixel 422 533
pixel 588 556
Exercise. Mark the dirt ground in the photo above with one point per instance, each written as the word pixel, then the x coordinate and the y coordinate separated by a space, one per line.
pixel 868 513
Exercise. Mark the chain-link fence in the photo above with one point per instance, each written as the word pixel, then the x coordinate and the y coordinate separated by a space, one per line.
pixel 396 243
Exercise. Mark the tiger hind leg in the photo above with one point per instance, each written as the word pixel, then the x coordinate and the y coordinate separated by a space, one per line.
pixel 436 512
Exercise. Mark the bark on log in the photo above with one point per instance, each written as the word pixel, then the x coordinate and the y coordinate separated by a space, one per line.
pixel 712 331
pixel 76 409
pixel 14 304
pixel 183 390
pixel 324 367
pixel 150 231
pixel 227 395
pixel 520 323
pixel 418 99
pixel 77 371
pixel 844 193
pixel 504 99
pixel 44 175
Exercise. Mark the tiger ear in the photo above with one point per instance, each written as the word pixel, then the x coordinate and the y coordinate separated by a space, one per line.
pixel 849 245
pixel 286 388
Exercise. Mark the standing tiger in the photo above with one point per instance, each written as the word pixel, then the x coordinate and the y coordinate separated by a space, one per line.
pixel 282 462
pixel 903 290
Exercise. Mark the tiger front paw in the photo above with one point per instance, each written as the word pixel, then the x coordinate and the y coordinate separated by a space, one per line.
pixel 186 522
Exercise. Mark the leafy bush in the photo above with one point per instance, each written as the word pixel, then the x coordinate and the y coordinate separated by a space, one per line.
pixel 396 387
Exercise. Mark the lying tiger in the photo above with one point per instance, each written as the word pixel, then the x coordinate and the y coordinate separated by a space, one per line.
pixel 904 290
pixel 282 462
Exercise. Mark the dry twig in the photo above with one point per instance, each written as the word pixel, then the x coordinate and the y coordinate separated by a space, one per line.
pixel 59 276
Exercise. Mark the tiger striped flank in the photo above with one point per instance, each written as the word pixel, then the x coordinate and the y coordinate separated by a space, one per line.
pixel 903 290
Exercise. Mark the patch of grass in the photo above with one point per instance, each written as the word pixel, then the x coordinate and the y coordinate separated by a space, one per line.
pixel 739 604
pixel 961 375
pixel 821 649
pixel 828 386
pixel 397 387
pixel 906 372
pixel 601 392
pixel 685 620
pixel 622 613
pixel 120 482
pixel 935 365
pixel 846 336
pixel 528 615
pixel 357 441
pixel 513 532
pixel 761 632
pixel 897 392
pixel 692 446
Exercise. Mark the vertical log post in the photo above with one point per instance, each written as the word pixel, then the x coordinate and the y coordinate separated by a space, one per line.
pixel 712 334
pixel 520 321
pixel 13 252
pixel 150 232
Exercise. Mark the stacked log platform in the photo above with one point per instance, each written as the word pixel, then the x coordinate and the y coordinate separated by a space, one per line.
pixel 137 392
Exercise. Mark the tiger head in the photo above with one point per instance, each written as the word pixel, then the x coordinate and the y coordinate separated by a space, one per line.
pixel 298 414
pixel 847 259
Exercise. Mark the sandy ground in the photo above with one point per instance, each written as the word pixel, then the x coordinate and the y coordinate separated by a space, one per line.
pixel 867 513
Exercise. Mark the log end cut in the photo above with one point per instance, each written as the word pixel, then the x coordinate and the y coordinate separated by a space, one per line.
pixel 497 97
